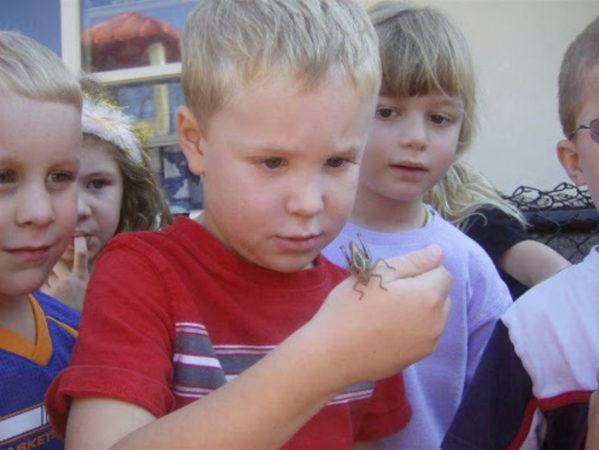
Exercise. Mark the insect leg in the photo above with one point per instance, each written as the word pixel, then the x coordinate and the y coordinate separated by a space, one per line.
pixel 380 277
pixel 346 255
pixel 358 290
pixel 389 266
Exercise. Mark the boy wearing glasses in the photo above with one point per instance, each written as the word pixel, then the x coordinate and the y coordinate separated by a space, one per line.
pixel 533 384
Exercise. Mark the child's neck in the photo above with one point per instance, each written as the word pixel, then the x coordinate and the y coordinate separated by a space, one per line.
pixel 382 214
pixel 17 316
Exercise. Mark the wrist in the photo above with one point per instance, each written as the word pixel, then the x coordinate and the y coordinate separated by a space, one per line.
pixel 320 358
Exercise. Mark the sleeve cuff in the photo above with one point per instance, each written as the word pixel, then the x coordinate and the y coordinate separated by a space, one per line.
pixel 101 381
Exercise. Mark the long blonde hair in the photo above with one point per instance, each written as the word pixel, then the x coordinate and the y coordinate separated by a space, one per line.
pixel 423 53
pixel 463 191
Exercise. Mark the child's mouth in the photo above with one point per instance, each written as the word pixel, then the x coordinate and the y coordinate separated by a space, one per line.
pixel 300 244
pixel 31 254
pixel 409 171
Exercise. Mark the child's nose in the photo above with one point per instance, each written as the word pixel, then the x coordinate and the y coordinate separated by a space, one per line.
pixel 35 207
pixel 413 133
pixel 305 198
pixel 83 207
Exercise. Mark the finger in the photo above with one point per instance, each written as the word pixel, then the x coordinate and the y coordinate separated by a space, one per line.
pixel 415 263
pixel 60 269
pixel 52 277
pixel 80 257
pixel 435 282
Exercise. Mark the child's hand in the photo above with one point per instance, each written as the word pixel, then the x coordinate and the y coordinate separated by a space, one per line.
pixel 389 329
pixel 69 284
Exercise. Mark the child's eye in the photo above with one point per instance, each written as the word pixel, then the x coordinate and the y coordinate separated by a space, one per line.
pixel 339 161
pixel 272 163
pixel 7 176
pixel 60 177
pixel 441 119
pixel 96 184
pixel 385 113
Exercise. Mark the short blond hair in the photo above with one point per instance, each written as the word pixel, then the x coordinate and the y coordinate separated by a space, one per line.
pixel 230 43
pixel 422 52
pixel 29 69
pixel 580 58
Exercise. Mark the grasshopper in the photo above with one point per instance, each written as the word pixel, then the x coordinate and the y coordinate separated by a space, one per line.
pixel 361 265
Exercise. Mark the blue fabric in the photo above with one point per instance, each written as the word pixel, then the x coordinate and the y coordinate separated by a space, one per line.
pixel 494 406
pixel 24 382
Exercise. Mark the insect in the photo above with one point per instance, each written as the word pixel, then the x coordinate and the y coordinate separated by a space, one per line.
pixel 361 265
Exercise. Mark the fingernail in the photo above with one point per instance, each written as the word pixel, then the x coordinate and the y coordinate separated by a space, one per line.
pixel 80 244
pixel 434 251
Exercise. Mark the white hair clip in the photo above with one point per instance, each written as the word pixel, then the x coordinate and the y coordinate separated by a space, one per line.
pixel 111 125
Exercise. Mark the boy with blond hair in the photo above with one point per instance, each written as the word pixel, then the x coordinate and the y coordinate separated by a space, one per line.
pixel 539 370
pixel 40 139
pixel 230 331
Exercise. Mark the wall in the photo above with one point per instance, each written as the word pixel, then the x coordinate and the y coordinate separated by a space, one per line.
pixel 517 48
pixel 38 19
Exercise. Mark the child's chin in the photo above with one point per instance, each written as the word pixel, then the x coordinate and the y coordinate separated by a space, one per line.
pixel 26 283
pixel 292 266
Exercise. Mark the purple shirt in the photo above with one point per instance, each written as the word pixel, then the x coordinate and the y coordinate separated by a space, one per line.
pixel 435 385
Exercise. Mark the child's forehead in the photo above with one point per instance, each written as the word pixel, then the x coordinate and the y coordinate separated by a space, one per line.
pixel 276 85
pixel 589 105
pixel 18 103
pixel 278 115
pixel 292 82
pixel 436 98
pixel 43 128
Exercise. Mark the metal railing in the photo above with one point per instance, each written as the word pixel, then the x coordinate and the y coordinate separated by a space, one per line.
pixel 564 218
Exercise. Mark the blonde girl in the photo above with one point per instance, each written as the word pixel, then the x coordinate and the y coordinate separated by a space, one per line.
pixel 424 121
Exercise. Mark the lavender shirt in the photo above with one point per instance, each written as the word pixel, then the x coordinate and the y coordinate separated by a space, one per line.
pixel 435 385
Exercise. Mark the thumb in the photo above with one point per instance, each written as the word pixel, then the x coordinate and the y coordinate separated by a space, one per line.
pixel 417 262
pixel 80 258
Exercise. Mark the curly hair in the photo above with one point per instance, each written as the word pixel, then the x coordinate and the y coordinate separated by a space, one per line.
pixel 143 206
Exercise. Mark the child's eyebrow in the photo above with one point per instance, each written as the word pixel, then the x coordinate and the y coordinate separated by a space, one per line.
pixel 453 102
pixel 100 173
pixel 67 160
pixel 350 149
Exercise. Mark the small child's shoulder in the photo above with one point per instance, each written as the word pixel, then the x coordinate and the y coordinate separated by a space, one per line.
pixel 156 238
pixel 552 325
pixel 57 310
pixel 459 242
pixel 184 243
pixel 567 290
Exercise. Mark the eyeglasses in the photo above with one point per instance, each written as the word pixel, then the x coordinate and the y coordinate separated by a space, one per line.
pixel 593 126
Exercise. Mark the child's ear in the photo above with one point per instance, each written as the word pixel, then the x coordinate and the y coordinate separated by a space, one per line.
pixel 570 160
pixel 190 140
